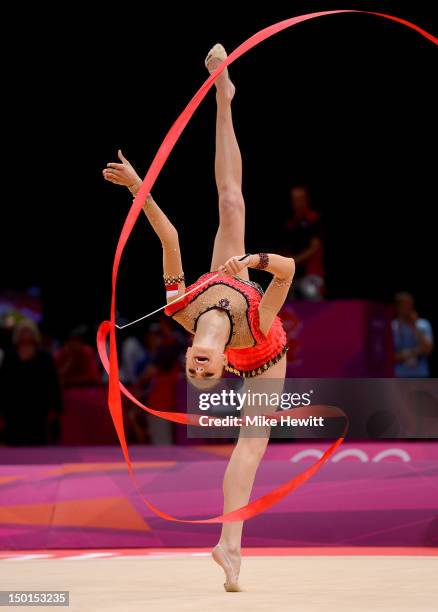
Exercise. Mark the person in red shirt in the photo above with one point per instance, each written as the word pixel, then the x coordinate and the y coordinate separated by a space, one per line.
pixel 76 361
pixel 158 383
pixel 303 241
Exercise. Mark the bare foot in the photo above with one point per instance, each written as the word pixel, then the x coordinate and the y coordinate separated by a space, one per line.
pixel 224 86
pixel 230 563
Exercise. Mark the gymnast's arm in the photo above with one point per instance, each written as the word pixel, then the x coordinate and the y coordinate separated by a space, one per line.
pixel 124 174
pixel 168 235
pixel 282 270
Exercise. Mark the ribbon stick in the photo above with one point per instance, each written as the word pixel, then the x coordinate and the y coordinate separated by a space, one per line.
pixel 109 327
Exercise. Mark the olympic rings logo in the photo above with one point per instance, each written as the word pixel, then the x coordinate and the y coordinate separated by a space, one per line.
pixel 356 453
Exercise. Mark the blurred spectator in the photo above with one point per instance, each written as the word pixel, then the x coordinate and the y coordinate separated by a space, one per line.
pixel 133 356
pixel 49 343
pixel 413 339
pixel 29 390
pixel 303 242
pixel 170 333
pixel 77 361
pixel 158 382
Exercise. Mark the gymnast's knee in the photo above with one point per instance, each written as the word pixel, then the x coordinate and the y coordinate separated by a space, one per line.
pixel 231 203
pixel 253 448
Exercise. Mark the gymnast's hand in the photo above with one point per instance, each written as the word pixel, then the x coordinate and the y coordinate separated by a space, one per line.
pixel 122 174
pixel 234 265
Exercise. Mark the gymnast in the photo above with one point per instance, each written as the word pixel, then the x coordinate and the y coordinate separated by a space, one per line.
pixel 235 325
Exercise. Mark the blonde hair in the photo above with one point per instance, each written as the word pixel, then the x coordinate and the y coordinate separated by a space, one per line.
pixel 204 383
pixel 26 325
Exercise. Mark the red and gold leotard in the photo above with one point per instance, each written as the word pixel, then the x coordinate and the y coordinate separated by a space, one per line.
pixel 249 352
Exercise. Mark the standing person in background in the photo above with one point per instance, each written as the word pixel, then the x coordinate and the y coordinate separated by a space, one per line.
pixel 160 379
pixel 77 360
pixel 30 398
pixel 413 339
pixel 133 356
pixel 303 242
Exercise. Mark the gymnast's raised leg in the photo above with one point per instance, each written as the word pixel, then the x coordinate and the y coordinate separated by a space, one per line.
pixel 230 236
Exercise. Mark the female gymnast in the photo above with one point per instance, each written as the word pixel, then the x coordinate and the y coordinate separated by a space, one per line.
pixel 234 324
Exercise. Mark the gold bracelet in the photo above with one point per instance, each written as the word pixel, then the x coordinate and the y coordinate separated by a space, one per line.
pixel 173 280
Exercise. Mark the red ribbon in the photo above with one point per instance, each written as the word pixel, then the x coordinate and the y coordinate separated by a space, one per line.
pixel 108 327
pixel 258 505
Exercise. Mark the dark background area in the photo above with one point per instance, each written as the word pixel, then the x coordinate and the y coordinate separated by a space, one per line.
pixel 345 103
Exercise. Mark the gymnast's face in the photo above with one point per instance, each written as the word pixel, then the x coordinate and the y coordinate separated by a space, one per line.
pixel 204 362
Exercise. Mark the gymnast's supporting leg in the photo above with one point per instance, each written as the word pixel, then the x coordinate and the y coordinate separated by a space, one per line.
pixel 230 237
pixel 237 485
pixel 239 479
